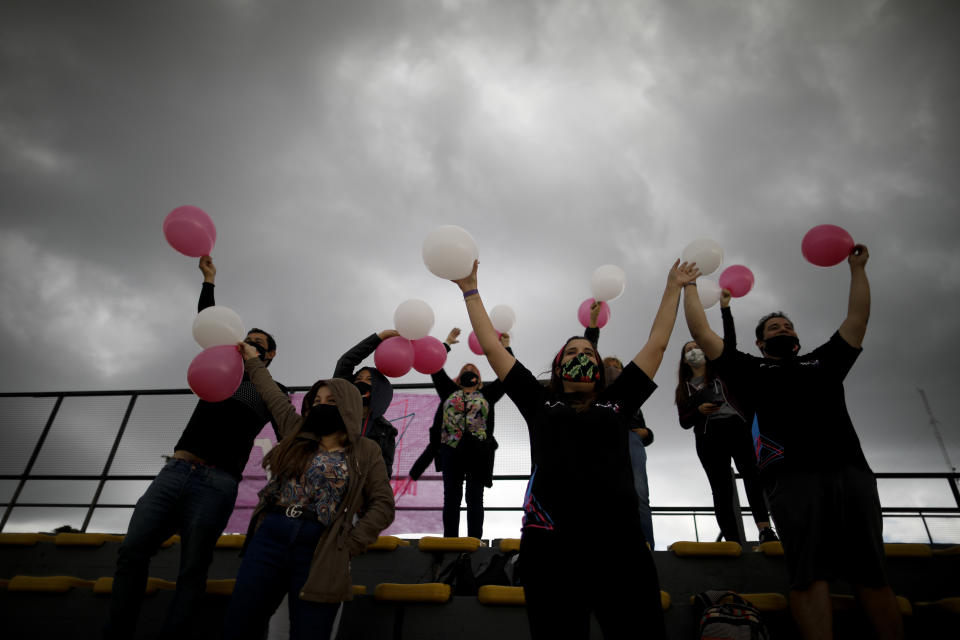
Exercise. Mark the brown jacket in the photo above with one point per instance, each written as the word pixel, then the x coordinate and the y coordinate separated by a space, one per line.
pixel 368 489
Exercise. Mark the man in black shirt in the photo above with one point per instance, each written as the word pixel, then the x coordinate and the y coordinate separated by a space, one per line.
pixel 193 495
pixel 820 487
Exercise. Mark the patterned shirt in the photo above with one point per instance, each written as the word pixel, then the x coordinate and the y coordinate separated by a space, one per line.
pixel 320 489
pixel 464 411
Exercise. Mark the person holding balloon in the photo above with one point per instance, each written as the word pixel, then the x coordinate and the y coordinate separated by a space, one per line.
pixel 640 436
pixel 819 483
pixel 465 449
pixel 193 494
pixel 581 494
pixel 327 499
pixel 705 404
pixel 376 391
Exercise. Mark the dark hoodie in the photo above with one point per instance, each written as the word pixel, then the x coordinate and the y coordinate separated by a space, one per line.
pixel 374 426
pixel 368 490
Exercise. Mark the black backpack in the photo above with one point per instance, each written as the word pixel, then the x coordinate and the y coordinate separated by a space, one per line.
pixel 727 616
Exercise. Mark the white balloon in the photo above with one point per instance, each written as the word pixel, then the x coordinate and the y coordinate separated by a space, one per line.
pixel 413 319
pixel 449 252
pixel 709 291
pixel 216 326
pixel 705 252
pixel 608 282
pixel 502 318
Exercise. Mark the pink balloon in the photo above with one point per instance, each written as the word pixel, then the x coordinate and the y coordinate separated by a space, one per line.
pixel 583 313
pixel 394 356
pixel 826 245
pixel 190 231
pixel 216 373
pixel 737 279
pixel 474 344
pixel 429 355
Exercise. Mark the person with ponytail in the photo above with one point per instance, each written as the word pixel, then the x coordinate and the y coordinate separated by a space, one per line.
pixel 721 433
pixel 581 525
pixel 328 497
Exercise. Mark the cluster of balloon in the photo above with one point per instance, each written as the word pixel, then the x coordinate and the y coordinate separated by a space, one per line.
pixel 737 279
pixel 413 348
pixel 217 371
pixel 190 231
pixel 607 283
pixel 502 318
pixel 826 245
pixel 449 252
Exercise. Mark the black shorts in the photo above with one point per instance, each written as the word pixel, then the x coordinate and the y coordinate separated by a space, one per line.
pixel 830 525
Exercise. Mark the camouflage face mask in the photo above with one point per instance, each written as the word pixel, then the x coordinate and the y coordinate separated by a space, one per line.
pixel 580 369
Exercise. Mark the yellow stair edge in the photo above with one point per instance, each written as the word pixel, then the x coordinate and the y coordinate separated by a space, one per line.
pixel 428 592
pixel 841 602
pixel 387 543
pixel 431 543
pixel 762 601
pixel 24 539
pixel 359 590
pixel 771 549
pixel 169 542
pixel 85 539
pixel 664 600
pixel 510 544
pixel 691 549
pixel 222 587
pixel 104 586
pixel 948 551
pixel 907 550
pixel 231 541
pixel 48 584
pixel 950 605
pixel 495 594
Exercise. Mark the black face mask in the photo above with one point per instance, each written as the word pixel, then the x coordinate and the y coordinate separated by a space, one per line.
pixel 323 420
pixel 259 348
pixel 366 390
pixel 469 379
pixel 782 346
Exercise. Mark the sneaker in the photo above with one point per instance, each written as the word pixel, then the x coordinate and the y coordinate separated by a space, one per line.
pixel 768 535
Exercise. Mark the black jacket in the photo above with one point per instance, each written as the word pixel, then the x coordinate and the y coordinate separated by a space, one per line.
pixel 374 426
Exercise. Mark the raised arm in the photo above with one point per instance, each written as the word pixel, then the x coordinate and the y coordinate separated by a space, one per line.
pixel 854 326
pixel 729 328
pixel 497 355
pixel 356 355
pixel 209 272
pixel 710 342
pixel 651 355
pixel 286 419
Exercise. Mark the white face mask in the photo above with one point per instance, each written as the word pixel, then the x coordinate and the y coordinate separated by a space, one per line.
pixel 695 357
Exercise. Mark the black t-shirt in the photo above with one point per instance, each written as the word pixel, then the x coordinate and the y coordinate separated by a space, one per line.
pixel 581 477
pixel 801 421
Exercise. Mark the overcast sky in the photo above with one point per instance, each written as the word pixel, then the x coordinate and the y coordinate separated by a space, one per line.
pixel 327 139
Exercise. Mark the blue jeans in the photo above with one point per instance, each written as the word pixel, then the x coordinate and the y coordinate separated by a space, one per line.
pixel 192 499
pixel 276 564
pixel 638 460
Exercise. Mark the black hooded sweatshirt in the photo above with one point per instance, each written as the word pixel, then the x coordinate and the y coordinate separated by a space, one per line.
pixel 374 426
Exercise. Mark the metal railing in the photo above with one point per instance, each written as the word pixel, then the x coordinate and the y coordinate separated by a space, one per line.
pixel 919 512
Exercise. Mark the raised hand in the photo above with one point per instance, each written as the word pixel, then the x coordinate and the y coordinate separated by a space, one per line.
pixel 453 335
pixel 207 268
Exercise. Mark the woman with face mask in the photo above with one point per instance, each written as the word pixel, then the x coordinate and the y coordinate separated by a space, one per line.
pixel 722 434
pixel 308 526
pixel 581 525
pixel 462 441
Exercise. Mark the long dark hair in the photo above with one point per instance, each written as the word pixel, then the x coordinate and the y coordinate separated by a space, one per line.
pixel 556 382
pixel 289 459
pixel 686 373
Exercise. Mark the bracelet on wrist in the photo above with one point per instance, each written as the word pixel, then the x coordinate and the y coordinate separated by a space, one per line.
pixel 689 284
pixel 472 292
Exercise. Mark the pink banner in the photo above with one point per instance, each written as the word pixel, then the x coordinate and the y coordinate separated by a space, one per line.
pixel 411 414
